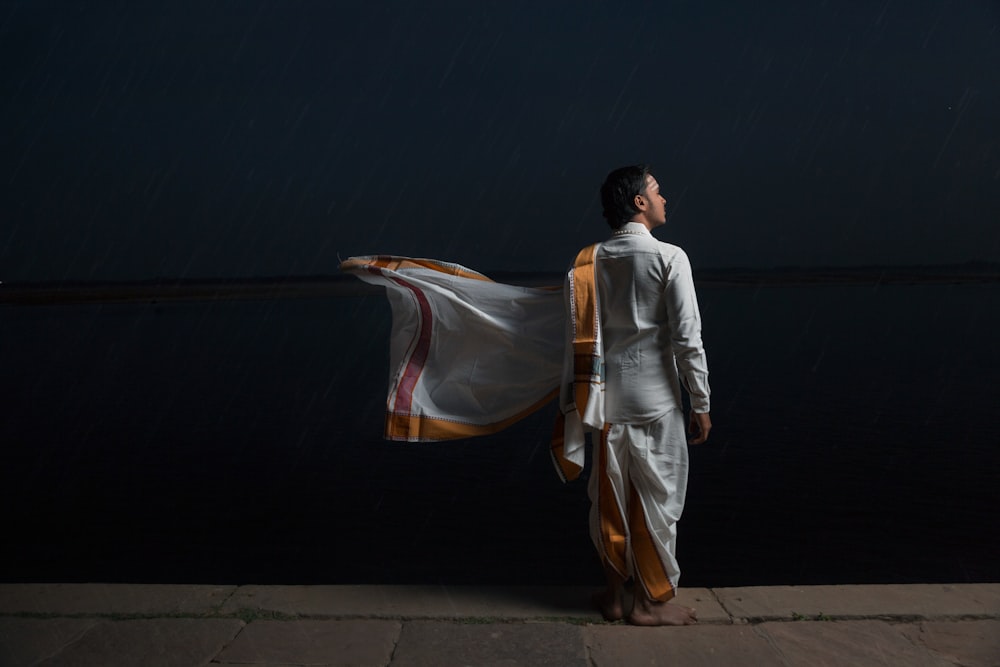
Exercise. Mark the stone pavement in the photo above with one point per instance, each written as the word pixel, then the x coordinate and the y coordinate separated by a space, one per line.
pixel 105 625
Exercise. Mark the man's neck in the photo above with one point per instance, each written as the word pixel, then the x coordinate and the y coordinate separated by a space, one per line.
pixel 645 223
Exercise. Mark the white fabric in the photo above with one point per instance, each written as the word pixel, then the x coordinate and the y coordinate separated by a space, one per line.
pixel 651 328
pixel 590 417
pixel 476 352
pixel 653 457
pixel 574 440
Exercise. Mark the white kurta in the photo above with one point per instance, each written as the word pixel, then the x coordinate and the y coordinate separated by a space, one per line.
pixel 651 328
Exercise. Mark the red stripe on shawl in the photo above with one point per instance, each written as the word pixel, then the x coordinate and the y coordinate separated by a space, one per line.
pixel 415 364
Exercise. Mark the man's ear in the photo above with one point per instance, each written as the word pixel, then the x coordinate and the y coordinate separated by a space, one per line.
pixel 639 203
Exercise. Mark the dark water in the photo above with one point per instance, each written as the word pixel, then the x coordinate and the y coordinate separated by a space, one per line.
pixel 856 440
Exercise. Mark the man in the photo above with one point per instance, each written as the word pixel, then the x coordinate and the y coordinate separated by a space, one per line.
pixel 647 342
pixel 635 335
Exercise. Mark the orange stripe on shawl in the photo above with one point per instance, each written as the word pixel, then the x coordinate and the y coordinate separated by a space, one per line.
pixel 402 426
pixel 394 263
pixel 585 360
pixel 614 539
pixel 649 567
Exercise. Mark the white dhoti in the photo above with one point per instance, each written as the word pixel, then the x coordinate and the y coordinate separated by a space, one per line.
pixel 637 492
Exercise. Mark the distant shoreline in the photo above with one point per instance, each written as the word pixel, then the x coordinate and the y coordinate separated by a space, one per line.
pixel 226 289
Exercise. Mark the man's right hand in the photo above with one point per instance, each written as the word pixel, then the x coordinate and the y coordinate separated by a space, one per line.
pixel 698 427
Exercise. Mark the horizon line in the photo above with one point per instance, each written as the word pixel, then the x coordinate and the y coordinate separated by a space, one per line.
pixel 338 285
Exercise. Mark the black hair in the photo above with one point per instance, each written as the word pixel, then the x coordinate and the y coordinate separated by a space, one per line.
pixel 618 193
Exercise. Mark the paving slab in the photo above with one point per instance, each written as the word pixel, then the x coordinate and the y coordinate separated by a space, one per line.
pixel 968 643
pixel 451 643
pixel 919 601
pixel 312 642
pixel 416 601
pixel 444 601
pixel 161 642
pixel 855 643
pixel 70 599
pixel 26 641
pixel 690 646
pixel 704 603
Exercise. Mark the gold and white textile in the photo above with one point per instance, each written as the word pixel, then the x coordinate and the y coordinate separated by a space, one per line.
pixel 468 356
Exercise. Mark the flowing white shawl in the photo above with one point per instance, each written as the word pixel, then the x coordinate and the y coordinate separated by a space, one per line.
pixel 469 356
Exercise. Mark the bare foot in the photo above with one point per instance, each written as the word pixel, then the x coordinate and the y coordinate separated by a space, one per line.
pixel 610 604
pixel 647 612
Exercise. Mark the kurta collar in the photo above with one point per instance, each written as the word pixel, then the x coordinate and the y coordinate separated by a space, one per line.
pixel 632 228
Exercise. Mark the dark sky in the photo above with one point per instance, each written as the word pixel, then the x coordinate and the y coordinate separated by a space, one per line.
pixel 230 139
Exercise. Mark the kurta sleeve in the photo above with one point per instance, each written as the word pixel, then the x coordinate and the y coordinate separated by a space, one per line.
pixel 684 321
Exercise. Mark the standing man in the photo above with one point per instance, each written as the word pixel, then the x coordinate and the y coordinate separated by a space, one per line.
pixel 636 338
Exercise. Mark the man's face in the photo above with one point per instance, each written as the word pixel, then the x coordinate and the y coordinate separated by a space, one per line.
pixel 655 210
